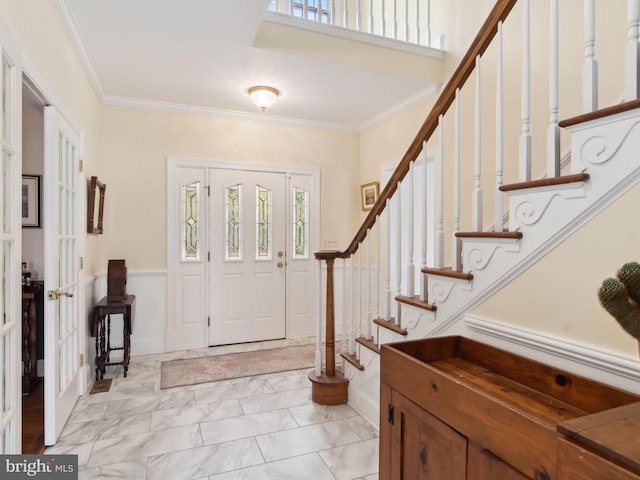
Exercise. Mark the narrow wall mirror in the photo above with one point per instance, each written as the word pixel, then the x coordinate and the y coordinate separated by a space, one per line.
pixel 95 208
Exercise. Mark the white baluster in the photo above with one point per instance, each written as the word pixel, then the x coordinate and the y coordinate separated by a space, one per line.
pixel 359 295
pixel 590 68
pixel 332 13
pixel 525 138
pixel 345 13
pixel 377 263
pixel 368 298
pixel 358 14
pixel 371 16
pixel 499 207
pixel 418 30
pixel 319 323
pixel 439 239
pixel 477 170
pixel 395 19
pixel 345 344
pixel 383 25
pixel 398 230
pixel 305 9
pixel 410 232
pixel 291 7
pixel 553 132
pixel 456 250
pixel 388 260
pixel 406 20
pixel 352 317
pixel 425 224
pixel 632 54
pixel 429 24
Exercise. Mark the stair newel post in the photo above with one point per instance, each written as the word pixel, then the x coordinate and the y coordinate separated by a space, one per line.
pixel 553 133
pixel 439 234
pixel 425 223
pixel 632 53
pixel 590 68
pixel 499 204
pixel 525 137
pixel 319 324
pixel 330 387
pixel 456 250
pixel 411 275
pixel 477 175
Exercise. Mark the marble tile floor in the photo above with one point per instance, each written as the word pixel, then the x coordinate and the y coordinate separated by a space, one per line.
pixel 258 428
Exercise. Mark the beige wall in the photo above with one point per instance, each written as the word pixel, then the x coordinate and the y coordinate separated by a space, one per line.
pixel 136 143
pixel 38 32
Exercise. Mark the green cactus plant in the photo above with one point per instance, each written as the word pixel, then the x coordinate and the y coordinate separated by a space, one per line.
pixel 621 298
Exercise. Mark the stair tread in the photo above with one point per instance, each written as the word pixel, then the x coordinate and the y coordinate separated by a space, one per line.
pixel 448 272
pixel 390 325
pixel 352 360
pixel 601 113
pixel 563 180
pixel 369 343
pixel 489 234
pixel 416 302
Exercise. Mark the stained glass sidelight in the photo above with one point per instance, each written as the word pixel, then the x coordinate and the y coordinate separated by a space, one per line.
pixel 263 223
pixel 300 223
pixel 190 221
pixel 233 222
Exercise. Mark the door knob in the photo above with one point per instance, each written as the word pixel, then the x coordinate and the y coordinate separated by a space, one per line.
pixel 57 293
pixel 280 254
pixel 280 264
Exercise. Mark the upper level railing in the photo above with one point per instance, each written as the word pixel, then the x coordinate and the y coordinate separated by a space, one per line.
pixel 404 20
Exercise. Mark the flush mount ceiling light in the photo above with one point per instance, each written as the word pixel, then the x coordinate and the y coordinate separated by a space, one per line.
pixel 263 96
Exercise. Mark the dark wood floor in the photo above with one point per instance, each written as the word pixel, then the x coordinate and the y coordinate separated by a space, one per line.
pixel 33 420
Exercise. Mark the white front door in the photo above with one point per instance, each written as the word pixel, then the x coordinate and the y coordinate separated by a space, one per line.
pixel 248 256
pixel 14 204
pixel 64 192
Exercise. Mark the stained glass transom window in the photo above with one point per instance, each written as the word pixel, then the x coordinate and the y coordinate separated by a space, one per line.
pixel 263 223
pixel 233 222
pixel 300 223
pixel 190 221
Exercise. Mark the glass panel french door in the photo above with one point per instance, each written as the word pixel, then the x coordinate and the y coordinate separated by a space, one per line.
pixel 63 191
pixel 12 197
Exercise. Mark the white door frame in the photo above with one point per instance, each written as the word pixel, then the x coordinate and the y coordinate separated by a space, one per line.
pixel 175 340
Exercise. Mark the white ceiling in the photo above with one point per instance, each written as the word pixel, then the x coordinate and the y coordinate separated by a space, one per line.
pixel 199 55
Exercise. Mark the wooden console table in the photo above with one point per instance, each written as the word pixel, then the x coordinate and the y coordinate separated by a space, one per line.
pixel 102 331
pixel 32 301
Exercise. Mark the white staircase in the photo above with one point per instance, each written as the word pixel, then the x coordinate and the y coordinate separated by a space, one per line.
pixel 542 213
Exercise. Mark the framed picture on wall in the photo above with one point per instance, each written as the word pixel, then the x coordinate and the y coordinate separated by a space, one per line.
pixel 368 195
pixel 31 201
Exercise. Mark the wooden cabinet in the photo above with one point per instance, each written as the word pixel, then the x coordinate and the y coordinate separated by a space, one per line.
pixel 32 312
pixel 453 408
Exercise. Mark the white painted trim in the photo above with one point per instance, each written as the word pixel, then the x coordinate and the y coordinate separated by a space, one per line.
pixel 70 27
pixel 218 112
pixel 353 35
pixel 606 367
pixel 408 102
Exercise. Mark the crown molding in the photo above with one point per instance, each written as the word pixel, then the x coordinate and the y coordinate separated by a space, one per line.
pixel 218 112
pixel 70 27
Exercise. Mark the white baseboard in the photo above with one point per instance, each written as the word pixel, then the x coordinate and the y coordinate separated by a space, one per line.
pixel 602 366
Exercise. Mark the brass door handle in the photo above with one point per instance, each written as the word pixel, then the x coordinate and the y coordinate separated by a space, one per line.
pixel 280 264
pixel 57 293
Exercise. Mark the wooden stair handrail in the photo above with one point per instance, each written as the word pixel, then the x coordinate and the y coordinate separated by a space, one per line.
pixel 479 45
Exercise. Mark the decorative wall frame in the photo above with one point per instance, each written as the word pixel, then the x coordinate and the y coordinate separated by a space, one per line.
pixel 95 207
pixel 31 201
pixel 368 195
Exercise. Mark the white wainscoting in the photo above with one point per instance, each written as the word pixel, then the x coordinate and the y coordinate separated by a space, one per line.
pixel 607 367
pixel 149 311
